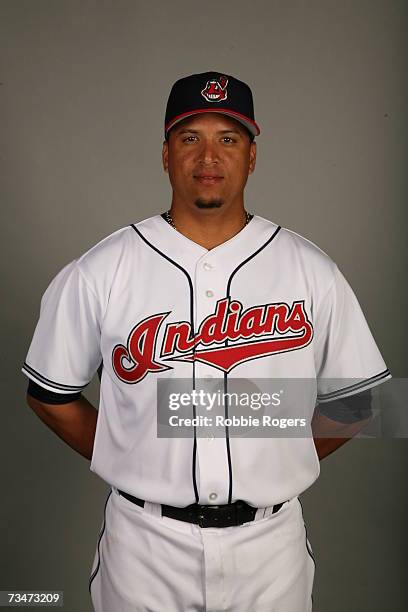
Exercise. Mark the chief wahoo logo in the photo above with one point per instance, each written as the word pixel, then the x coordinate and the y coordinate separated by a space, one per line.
pixel 216 89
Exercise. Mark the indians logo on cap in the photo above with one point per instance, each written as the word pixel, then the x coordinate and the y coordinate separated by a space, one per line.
pixel 215 89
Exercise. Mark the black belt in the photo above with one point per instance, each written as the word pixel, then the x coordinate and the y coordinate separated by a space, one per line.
pixel 225 515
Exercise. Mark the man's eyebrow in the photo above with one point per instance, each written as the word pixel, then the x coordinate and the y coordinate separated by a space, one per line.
pixel 231 131
pixel 184 130
pixel 191 131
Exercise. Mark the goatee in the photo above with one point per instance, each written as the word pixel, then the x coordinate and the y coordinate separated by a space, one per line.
pixel 214 203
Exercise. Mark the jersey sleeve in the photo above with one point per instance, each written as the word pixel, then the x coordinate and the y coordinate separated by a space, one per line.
pixel 64 353
pixel 347 358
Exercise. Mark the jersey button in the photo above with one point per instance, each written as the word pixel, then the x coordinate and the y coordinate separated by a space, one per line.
pixel 207 266
pixel 209 293
pixel 213 496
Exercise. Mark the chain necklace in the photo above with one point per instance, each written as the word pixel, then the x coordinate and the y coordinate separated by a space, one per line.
pixel 169 218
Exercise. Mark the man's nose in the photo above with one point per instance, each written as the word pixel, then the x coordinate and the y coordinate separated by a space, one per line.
pixel 208 152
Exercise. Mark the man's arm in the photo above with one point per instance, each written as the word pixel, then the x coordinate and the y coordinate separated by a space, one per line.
pixel 74 423
pixel 336 422
pixel 333 434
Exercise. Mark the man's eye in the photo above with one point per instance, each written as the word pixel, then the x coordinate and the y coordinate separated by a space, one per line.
pixel 229 139
pixel 188 138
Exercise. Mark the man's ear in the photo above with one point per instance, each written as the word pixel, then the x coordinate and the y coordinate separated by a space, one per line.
pixel 252 157
pixel 165 156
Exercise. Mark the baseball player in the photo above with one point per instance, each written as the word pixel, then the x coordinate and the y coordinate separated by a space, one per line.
pixel 205 291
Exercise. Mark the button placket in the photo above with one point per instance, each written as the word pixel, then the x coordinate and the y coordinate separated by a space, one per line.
pixel 209 286
pixel 214 473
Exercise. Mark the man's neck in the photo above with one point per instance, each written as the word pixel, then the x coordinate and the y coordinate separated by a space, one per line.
pixel 208 228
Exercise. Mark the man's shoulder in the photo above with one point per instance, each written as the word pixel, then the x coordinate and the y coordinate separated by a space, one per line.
pixel 306 246
pixel 101 260
pixel 296 250
pixel 290 238
pixel 113 246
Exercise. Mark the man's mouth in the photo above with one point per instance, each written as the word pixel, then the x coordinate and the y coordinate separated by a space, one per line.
pixel 208 179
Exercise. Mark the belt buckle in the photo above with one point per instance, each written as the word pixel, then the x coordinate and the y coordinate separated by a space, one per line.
pixel 207 516
pixel 203 518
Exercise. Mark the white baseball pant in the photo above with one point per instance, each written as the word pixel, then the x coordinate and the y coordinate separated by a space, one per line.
pixel 148 563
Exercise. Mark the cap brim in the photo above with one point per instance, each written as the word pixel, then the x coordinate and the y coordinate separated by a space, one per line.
pixel 250 125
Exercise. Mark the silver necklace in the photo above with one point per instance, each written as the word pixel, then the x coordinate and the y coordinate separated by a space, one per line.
pixel 169 218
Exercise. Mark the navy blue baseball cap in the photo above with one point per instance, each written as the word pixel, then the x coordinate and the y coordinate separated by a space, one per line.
pixel 210 92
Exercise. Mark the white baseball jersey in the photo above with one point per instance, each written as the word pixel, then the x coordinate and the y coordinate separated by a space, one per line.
pixel 150 303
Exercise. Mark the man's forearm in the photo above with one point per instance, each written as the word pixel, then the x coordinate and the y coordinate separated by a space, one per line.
pixel 74 423
pixel 326 446
pixel 329 435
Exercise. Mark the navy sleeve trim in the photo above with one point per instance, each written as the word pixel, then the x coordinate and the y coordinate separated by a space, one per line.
pixel 50 397
pixel 350 409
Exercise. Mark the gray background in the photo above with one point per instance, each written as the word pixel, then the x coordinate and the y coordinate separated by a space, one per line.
pixel 83 93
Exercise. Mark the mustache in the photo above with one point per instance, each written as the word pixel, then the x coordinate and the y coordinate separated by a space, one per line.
pixel 214 203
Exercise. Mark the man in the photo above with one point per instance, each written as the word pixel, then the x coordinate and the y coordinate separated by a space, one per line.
pixel 205 291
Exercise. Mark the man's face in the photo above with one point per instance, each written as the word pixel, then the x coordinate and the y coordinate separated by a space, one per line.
pixel 208 158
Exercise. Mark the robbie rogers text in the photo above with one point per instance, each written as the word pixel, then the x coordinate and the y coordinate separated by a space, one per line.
pixel 235 421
